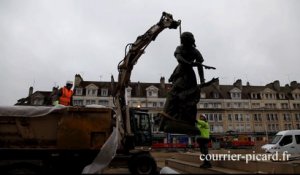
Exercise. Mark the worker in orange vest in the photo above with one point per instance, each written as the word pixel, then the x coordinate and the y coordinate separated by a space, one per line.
pixel 65 94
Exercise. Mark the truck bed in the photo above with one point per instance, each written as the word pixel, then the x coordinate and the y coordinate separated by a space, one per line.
pixel 54 127
pixel 52 139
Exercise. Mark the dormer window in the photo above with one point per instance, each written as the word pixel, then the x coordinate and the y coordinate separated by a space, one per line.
pixel 91 90
pixel 235 93
pixel 215 95
pixel 104 92
pixel 152 91
pixel 78 91
pixel 296 96
pixel 254 95
pixel 268 94
pixel 128 91
pixel 281 96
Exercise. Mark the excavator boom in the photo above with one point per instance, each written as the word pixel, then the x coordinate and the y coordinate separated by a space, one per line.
pixel 125 67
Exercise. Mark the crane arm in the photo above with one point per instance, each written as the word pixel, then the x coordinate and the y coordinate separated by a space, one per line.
pixel 125 67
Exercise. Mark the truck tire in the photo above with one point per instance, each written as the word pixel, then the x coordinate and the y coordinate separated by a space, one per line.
pixel 142 164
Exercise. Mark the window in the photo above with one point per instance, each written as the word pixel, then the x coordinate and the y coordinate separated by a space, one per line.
pixel 216 95
pixel 220 117
pixel 229 105
pixel 255 105
pixel 154 104
pixel 276 118
pixel 297 117
pixel 236 116
pixel 296 96
pixel 211 127
pixel 215 117
pixel 284 106
pixel 281 96
pixel 235 95
pixel 297 139
pixel 152 91
pixel 161 104
pixel 205 105
pixel 88 102
pixel 216 105
pixel 247 118
pixel 276 139
pixel 240 117
pixel 78 102
pixel 296 106
pixel 254 96
pixel 229 117
pixel 142 122
pixel 38 101
pixel 286 140
pixel 255 117
pixel 79 91
pixel 211 117
pixel 104 92
pixel 286 117
pixel 92 92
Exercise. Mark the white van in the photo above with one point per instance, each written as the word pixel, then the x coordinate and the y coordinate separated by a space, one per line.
pixel 288 140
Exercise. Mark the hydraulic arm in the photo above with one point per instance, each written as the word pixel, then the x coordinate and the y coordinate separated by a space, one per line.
pixel 125 67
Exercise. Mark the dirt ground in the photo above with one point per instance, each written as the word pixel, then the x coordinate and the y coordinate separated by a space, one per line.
pixel 161 155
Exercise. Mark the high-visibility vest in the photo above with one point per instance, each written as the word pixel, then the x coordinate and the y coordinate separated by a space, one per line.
pixel 65 98
pixel 203 126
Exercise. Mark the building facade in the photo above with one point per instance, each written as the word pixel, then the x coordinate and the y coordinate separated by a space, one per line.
pixel 230 108
pixel 245 109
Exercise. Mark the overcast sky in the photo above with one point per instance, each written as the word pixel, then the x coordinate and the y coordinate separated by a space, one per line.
pixel 44 43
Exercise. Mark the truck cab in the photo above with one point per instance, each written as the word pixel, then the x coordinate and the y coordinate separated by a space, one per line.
pixel 141 126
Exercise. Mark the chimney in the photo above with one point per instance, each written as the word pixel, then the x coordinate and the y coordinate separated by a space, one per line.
pixel 78 80
pixel 276 85
pixel 30 91
pixel 238 84
pixel 162 82
pixel 162 86
pixel 138 89
pixel 217 84
pixel 294 84
pixel 112 84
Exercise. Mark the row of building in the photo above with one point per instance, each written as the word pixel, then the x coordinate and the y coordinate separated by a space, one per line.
pixel 248 109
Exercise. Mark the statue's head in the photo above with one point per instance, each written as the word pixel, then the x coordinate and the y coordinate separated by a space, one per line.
pixel 187 39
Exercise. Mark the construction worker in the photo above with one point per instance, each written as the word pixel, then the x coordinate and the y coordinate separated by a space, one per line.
pixel 203 140
pixel 65 94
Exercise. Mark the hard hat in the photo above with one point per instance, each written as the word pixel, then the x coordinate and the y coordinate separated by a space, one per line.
pixel 69 82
